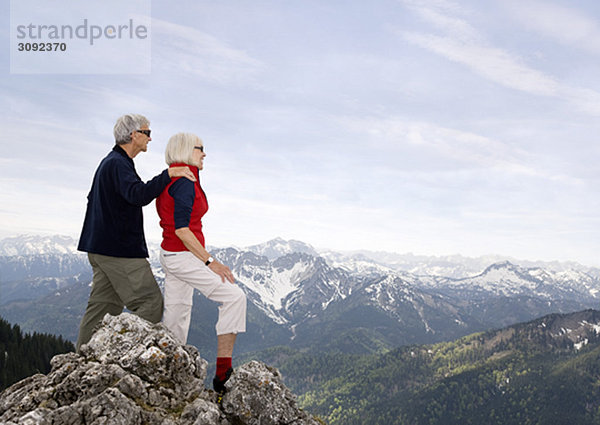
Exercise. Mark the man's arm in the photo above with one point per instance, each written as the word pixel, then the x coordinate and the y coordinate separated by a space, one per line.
pixel 181 172
pixel 138 193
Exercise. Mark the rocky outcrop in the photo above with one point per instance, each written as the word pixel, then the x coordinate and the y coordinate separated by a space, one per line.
pixel 134 372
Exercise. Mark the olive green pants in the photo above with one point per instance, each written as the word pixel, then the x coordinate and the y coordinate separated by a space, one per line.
pixel 117 283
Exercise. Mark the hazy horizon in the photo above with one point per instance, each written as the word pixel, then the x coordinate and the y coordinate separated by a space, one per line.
pixel 348 251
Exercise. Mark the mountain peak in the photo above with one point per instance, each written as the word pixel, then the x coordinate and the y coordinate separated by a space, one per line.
pixel 279 247
pixel 501 265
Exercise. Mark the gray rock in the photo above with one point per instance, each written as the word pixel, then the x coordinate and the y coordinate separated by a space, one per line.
pixel 201 411
pixel 135 372
pixel 256 396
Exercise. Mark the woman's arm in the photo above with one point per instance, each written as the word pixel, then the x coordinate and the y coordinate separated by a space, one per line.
pixel 192 243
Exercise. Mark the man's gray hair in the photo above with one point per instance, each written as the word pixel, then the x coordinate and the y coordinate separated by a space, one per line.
pixel 126 125
pixel 180 149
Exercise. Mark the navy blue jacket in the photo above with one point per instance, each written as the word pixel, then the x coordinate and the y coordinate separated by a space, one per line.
pixel 113 223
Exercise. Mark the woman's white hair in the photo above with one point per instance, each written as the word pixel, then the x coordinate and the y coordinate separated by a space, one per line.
pixel 126 125
pixel 180 148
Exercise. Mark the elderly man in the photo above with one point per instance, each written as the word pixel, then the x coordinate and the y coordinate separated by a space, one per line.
pixel 113 230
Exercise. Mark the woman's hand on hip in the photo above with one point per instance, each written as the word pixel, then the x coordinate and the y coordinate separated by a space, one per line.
pixel 223 271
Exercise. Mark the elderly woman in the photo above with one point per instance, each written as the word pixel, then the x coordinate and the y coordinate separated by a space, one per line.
pixel 187 263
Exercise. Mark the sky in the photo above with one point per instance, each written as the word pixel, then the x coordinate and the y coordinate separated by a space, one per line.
pixel 433 127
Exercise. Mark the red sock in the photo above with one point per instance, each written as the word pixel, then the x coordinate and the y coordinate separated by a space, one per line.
pixel 223 365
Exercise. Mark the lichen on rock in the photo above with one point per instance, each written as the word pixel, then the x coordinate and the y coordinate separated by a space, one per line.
pixel 135 372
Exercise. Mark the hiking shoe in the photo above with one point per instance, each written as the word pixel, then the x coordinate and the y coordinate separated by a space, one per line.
pixel 219 385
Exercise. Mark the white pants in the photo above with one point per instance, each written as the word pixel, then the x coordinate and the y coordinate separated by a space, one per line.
pixel 184 272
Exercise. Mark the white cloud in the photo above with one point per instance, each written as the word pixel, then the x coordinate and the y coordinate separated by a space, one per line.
pixel 182 49
pixel 492 63
pixel 464 44
pixel 565 25
pixel 464 146
pixel 29 206
pixel 584 99
pixel 437 13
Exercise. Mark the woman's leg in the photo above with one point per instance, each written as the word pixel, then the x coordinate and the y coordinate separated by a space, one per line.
pixel 178 302
pixel 232 308
pixel 225 345
pixel 187 268
pixel 186 271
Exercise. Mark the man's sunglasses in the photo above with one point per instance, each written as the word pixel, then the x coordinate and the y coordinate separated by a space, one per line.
pixel 146 132
pixel 199 147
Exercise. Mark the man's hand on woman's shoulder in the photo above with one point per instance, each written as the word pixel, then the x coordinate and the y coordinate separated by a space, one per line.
pixel 182 172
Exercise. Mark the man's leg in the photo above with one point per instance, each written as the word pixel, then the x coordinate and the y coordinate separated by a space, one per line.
pixel 103 299
pixel 133 281
pixel 145 298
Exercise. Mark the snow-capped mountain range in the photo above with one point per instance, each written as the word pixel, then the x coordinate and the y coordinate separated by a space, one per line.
pixel 37 245
pixel 288 288
pixel 507 279
pixel 325 297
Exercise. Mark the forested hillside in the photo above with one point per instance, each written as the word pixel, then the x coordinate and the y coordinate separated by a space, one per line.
pixel 24 355
pixel 542 372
